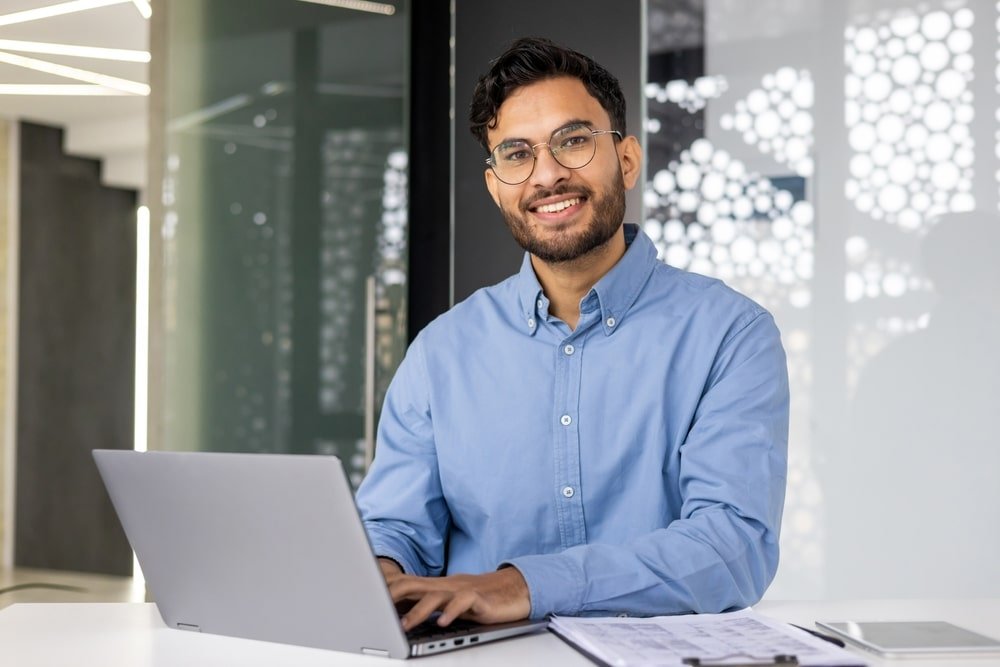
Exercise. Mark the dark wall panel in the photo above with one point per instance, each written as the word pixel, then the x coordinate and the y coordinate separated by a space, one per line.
pixel 609 32
pixel 76 350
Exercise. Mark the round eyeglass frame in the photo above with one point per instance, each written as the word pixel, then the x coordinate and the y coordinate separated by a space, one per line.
pixel 553 152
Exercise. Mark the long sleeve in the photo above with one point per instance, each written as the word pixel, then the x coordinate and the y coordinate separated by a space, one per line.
pixel 722 552
pixel 400 499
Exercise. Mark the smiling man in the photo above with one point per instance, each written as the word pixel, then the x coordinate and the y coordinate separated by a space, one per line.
pixel 598 434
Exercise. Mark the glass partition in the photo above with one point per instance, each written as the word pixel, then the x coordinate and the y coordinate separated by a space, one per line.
pixel 836 162
pixel 284 223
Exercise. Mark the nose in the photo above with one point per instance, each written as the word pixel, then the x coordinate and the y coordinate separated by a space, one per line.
pixel 547 171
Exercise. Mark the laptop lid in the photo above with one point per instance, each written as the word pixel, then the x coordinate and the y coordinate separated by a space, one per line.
pixel 261 546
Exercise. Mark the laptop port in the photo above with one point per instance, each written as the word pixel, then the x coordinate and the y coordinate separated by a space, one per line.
pixel 459 641
pixel 473 640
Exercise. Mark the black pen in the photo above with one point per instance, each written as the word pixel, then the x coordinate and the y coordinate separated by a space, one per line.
pixel 828 638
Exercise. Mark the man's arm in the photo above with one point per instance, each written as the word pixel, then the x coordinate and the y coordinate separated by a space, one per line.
pixel 406 517
pixel 400 500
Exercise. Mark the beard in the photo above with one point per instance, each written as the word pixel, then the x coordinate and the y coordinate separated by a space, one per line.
pixel 607 216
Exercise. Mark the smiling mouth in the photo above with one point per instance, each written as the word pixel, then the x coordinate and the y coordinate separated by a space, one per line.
pixel 557 207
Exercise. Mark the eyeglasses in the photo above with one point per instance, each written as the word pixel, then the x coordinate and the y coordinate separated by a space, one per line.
pixel 573 146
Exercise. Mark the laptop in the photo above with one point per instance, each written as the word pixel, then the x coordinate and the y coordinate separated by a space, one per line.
pixel 267 547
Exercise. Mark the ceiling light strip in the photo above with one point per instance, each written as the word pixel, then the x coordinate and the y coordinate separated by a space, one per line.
pixel 56 89
pixel 74 50
pixel 143 7
pixel 359 5
pixel 56 10
pixel 125 85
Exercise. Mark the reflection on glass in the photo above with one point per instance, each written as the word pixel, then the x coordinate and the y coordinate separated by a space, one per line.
pixel 285 193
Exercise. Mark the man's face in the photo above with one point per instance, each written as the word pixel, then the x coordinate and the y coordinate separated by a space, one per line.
pixel 561 214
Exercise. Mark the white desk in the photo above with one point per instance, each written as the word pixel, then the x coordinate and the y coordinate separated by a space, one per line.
pixel 132 635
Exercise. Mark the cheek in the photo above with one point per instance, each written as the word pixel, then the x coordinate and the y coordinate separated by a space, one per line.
pixel 510 199
pixel 600 174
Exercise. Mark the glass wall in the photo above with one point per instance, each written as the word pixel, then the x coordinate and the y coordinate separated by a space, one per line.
pixel 284 224
pixel 837 163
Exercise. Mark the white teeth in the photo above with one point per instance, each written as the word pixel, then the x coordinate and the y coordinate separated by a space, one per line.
pixel 558 206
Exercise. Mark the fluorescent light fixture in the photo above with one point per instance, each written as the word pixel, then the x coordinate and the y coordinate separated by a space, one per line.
pixel 141 326
pixel 56 89
pixel 56 10
pixel 125 85
pixel 383 8
pixel 143 7
pixel 97 52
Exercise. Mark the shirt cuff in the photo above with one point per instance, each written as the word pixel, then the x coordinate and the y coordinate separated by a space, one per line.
pixel 387 546
pixel 555 583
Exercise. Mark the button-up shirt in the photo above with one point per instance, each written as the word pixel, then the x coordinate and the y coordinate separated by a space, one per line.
pixel 634 464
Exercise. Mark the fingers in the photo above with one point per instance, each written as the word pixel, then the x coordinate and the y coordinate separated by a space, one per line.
pixel 460 603
pixel 488 598
pixel 426 606
pixel 431 594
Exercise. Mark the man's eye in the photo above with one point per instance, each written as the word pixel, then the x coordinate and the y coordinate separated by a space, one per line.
pixel 516 155
pixel 576 141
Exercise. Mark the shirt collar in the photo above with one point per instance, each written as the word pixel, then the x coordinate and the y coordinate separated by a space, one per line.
pixel 615 292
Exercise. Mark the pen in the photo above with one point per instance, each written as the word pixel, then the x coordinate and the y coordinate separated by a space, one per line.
pixel 828 638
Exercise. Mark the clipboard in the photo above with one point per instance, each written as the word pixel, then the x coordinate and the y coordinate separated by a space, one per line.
pixel 736 639
pixel 724 661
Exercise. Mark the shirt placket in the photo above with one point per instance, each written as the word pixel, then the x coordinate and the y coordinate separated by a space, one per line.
pixel 569 496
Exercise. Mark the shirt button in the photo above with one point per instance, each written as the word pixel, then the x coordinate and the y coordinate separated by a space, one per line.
pixel 540 304
pixel 569 349
pixel 531 323
pixel 565 420
pixel 568 491
pixel 610 322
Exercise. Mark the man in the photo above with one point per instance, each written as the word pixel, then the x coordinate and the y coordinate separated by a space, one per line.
pixel 600 433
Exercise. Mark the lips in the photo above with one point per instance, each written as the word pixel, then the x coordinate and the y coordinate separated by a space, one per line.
pixel 556 203
pixel 558 206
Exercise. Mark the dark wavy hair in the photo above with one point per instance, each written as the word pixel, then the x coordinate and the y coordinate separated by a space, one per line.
pixel 532 59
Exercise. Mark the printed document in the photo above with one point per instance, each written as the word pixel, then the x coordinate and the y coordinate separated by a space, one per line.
pixel 736 638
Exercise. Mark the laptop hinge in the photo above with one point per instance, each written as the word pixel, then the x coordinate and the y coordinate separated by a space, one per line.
pixel 375 651
pixel 191 627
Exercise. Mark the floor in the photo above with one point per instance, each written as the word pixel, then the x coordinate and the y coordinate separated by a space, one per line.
pixel 31 585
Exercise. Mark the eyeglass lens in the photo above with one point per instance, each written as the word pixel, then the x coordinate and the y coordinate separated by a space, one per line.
pixel 573 147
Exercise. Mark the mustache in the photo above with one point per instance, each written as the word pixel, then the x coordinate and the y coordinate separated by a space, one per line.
pixel 561 189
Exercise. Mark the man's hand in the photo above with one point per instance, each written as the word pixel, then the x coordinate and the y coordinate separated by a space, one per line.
pixel 389 568
pixel 494 597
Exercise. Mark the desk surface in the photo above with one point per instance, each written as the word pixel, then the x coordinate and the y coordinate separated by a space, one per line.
pixel 133 635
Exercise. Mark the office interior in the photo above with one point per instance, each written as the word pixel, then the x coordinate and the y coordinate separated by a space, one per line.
pixel 221 223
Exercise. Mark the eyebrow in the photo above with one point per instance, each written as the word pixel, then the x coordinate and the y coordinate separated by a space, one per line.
pixel 570 123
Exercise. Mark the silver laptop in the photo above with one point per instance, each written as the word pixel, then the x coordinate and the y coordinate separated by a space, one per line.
pixel 265 546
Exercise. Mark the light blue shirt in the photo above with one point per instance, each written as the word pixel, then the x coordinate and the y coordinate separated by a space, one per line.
pixel 636 464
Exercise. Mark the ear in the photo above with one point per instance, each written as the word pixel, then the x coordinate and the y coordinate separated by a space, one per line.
pixel 630 159
pixel 493 185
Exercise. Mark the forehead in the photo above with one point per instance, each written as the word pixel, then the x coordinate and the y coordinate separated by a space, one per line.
pixel 534 111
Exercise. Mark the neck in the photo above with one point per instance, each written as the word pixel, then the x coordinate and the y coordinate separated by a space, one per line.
pixel 566 283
